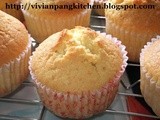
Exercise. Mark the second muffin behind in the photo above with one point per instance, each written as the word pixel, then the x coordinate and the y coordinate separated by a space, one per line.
pixel 46 19
pixel 134 26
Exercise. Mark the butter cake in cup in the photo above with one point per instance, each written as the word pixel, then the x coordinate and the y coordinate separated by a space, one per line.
pixel 15 49
pixel 150 75
pixel 77 71
pixel 134 26
pixel 42 22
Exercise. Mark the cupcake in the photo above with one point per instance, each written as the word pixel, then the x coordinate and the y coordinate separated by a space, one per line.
pixel 42 22
pixel 77 71
pixel 134 26
pixel 7 6
pixel 15 49
pixel 150 76
pixel 100 4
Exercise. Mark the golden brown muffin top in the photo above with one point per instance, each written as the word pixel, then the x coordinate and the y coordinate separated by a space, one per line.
pixel 151 60
pixel 13 38
pixel 50 10
pixel 136 20
pixel 76 60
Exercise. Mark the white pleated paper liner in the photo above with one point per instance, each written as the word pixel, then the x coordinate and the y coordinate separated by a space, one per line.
pixel 15 72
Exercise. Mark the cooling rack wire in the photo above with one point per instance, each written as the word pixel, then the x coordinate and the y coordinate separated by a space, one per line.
pixel 97 26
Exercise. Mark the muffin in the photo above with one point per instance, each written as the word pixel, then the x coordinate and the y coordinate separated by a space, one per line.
pixel 150 76
pixel 15 49
pixel 101 9
pixel 133 26
pixel 77 71
pixel 5 5
pixel 41 23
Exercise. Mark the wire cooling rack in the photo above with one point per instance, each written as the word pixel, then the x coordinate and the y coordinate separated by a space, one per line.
pixel 24 103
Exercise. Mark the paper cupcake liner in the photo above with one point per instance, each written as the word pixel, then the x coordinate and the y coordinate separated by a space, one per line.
pixel 133 41
pixel 41 28
pixel 149 88
pixel 84 104
pixel 14 73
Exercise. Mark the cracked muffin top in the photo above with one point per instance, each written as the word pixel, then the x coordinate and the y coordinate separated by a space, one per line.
pixel 76 60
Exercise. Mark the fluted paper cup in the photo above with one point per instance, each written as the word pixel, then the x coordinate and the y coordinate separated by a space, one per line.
pixel 15 72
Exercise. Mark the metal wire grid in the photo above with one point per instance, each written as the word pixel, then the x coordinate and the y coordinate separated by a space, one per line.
pixel 38 102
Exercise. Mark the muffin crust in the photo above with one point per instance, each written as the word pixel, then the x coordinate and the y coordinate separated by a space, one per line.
pixel 143 19
pixel 13 38
pixel 76 60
